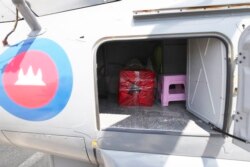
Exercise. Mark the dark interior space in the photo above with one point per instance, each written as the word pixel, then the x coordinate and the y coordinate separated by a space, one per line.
pixel 160 56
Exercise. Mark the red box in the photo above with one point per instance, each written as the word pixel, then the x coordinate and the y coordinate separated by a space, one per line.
pixel 136 88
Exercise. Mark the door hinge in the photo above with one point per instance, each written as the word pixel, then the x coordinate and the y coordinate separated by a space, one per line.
pixel 240 59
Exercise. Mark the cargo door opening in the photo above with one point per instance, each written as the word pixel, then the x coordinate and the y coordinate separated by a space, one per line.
pixel 175 85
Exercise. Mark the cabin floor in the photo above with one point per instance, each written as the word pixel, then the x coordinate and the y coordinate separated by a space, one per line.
pixel 174 119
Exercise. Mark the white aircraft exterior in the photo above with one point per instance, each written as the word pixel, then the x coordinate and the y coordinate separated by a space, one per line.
pixel 49 81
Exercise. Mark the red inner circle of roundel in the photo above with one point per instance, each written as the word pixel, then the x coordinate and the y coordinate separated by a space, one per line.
pixel 31 79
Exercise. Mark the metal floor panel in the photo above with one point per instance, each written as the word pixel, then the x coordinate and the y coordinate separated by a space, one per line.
pixel 172 119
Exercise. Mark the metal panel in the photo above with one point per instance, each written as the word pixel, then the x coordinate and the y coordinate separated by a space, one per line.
pixel 207 79
pixel 242 117
pixel 215 146
pixel 44 7
pixel 3 138
pixel 7 11
pixel 133 159
pixel 72 147
pixel 65 162
pixel 194 9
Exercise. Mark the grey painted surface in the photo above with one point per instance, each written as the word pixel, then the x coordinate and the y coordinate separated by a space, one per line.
pixel 64 162
pixel 125 159
pixel 7 14
pixel 206 79
pixel 215 146
pixel 72 147
pixel 11 156
pixel 242 115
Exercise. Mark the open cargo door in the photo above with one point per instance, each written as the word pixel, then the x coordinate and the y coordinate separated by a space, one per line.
pixel 242 116
pixel 206 81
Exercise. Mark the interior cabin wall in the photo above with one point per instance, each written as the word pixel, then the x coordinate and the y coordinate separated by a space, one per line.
pixel 112 57
pixel 174 56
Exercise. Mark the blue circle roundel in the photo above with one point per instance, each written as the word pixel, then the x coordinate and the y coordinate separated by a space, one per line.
pixel 36 79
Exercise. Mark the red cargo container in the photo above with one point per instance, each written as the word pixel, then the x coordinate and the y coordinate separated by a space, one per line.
pixel 136 88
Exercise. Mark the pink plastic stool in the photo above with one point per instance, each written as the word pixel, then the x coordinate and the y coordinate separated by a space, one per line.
pixel 167 93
